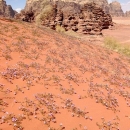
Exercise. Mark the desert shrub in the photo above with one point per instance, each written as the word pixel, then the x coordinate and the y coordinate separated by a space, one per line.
pixel 113 44
pixel 60 29
pixel 38 20
pixel 46 12
pixel 126 50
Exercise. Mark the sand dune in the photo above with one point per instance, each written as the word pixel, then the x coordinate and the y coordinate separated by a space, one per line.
pixel 50 81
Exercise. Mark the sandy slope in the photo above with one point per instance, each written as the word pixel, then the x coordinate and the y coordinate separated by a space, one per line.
pixel 50 81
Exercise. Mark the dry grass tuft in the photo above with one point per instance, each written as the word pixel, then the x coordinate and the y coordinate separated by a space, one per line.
pixel 60 29
pixel 72 34
pixel 113 44
pixel 46 13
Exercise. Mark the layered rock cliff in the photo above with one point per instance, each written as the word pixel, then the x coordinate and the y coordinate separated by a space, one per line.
pixel 6 10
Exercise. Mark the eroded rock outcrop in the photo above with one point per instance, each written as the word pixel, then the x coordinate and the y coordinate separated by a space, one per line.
pixel 127 13
pixel 115 9
pixel 37 4
pixel 86 19
pixel 90 20
pixel 6 10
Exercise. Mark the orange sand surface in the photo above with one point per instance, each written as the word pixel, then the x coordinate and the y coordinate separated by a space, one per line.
pixel 50 81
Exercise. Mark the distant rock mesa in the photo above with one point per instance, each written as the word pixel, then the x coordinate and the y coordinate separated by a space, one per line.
pixel 6 10
pixel 127 14
pixel 115 9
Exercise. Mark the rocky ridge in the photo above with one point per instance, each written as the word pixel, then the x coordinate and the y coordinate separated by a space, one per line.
pixel 6 10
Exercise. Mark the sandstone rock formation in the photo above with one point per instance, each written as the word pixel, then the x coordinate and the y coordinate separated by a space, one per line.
pixel 127 13
pixel 37 3
pixel 115 9
pixel 88 18
pixel 91 20
pixel 68 7
pixel 6 10
pixel 101 3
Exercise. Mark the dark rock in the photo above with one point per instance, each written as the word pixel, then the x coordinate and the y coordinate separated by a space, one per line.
pixel 25 16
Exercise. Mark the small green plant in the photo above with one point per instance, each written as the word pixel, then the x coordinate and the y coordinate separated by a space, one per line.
pixel 113 44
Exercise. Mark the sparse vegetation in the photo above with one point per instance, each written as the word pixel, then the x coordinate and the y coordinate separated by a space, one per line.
pixel 60 82
pixel 113 44
pixel 7 56
pixel 46 13
pixel 60 29
pixel 72 34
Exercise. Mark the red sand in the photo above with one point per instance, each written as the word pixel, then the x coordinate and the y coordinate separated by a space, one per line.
pixel 49 81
